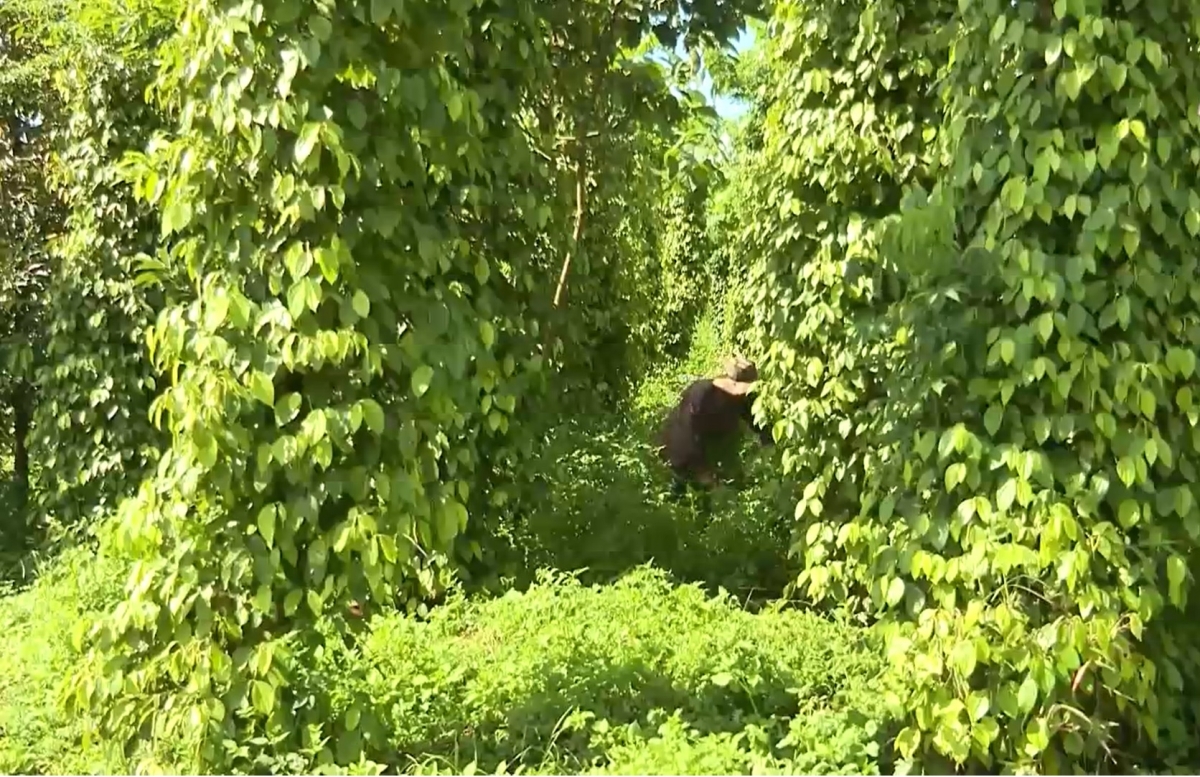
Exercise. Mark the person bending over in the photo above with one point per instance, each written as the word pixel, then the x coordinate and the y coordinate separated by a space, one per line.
pixel 707 417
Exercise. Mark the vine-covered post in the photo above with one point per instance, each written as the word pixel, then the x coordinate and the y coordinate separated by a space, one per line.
pixel 1072 141
pixel 989 385
pixel 334 211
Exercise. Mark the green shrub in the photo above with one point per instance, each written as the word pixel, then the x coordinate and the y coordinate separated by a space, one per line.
pixel 636 677
pixel 598 499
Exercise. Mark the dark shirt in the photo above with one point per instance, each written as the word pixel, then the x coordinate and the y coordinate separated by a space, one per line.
pixel 705 415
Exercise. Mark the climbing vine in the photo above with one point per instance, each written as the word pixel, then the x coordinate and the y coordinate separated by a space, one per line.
pixel 91 432
pixel 29 211
pixel 988 385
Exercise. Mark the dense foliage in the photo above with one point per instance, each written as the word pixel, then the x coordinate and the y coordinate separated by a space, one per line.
pixel 544 682
pixel 92 433
pixel 331 322
pixel 989 389
pixel 392 159
pixel 30 211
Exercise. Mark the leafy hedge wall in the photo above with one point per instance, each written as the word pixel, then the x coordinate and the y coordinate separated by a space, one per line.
pixel 989 386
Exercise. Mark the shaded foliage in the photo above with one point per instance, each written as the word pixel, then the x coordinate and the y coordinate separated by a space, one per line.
pixel 92 432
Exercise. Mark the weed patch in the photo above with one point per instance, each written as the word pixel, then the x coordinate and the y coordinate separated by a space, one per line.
pixel 36 736
pixel 637 677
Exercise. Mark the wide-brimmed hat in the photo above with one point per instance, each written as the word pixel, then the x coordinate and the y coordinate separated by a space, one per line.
pixel 740 368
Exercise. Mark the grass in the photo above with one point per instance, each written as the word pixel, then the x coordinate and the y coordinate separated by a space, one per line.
pixel 36 654
pixel 640 676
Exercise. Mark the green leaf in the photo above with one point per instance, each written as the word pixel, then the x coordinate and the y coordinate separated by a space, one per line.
pixel 206 449
pixel 1176 574
pixel 320 27
pixel 459 511
pixel 1116 72
pixel 721 679
pixel 215 312
pixel 421 378
pixel 1053 50
pixel 1163 147
pixel 1027 695
pixel 1184 399
pixel 1129 513
pixel 361 304
pixel 357 114
pixel 1126 470
pixel 963 657
pixel 266 524
pixel 1013 194
pixel 1071 84
pixel 287 409
pixel 998 28
pixel 1037 737
pixel 297 299
pixel 262 388
pixel 447 525
pixel 1131 241
pixel 985 732
pixel 895 591
pixel 924 444
pixel 907 742
pixel 307 141
pixel 956 473
pixel 1133 52
pixel 978 703
pixel 946 445
pixel 454 106
pixel 1006 495
pixel 1154 53
pixel 372 415
pixel 1184 500
pixel 1148 403
pixel 380 11
pixel 262 696
pixel 327 259
pixel 291 63
pixel 176 216
pixel 1180 361
pixel 1187 363
pixel 298 261
pixel 992 418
